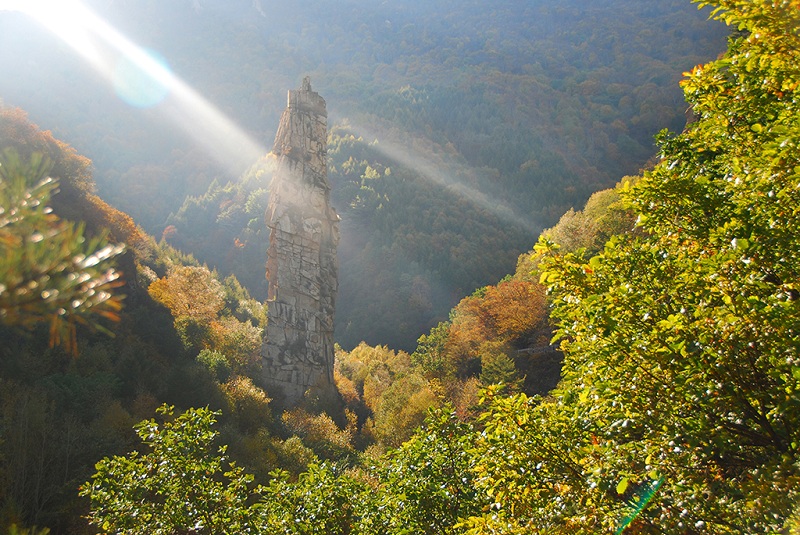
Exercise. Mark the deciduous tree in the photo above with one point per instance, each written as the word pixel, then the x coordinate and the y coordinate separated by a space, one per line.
pixel 183 484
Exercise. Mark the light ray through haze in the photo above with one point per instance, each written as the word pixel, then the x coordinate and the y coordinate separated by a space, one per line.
pixel 142 79
pixel 445 176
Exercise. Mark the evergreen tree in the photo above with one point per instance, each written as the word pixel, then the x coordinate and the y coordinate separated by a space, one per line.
pixel 49 272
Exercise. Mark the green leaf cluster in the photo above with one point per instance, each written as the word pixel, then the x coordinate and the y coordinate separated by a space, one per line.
pixel 681 343
pixel 426 485
pixel 179 485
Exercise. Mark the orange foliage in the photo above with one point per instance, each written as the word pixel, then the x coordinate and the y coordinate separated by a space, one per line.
pixel 189 291
pixel 169 232
pixel 72 169
pixel 465 395
pixel 346 388
pixel 516 307
pixel 121 226
pixel 506 312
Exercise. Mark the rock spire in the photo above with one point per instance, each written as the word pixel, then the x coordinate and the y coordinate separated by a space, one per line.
pixel 297 354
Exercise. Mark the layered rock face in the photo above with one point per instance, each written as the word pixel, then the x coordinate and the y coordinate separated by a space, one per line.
pixel 297 354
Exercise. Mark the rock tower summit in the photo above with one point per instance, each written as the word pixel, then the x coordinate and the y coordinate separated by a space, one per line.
pixel 298 352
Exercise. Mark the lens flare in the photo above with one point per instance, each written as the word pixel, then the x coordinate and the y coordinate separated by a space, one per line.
pixel 142 78
pixel 638 502
pixel 140 87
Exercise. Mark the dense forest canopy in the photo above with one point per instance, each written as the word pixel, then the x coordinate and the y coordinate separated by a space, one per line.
pixel 493 119
pixel 677 407
pixel 673 297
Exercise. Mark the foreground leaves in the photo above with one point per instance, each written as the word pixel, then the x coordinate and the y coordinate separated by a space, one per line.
pixel 179 486
pixel 49 272
pixel 679 407
pixel 681 345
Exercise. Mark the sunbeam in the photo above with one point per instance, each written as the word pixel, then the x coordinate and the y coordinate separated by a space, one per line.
pixel 142 78
pixel 63 18
pixel 445 176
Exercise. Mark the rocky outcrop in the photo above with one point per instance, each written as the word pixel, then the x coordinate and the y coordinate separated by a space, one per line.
pixel 301 267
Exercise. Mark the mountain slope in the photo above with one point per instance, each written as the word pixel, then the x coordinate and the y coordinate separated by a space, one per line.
pixel 494 118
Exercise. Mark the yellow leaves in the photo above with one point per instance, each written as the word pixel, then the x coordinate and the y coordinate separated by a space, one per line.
pixel 248 402
pixel 401 408
pixel 240 341
pixel 697 70
pixel 545 246
pixel 189 291
pixel 346 387
pixel 159 291
pixel 319 432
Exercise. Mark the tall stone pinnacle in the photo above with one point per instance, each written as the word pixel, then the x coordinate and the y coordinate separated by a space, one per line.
pixel 297 354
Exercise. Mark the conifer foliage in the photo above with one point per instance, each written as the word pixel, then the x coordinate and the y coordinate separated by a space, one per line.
pixel 49 272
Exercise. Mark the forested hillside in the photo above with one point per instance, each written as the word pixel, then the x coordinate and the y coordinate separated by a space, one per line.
pixel 99 326
pixel 672 296
pixel 493 119
pixel 674 301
